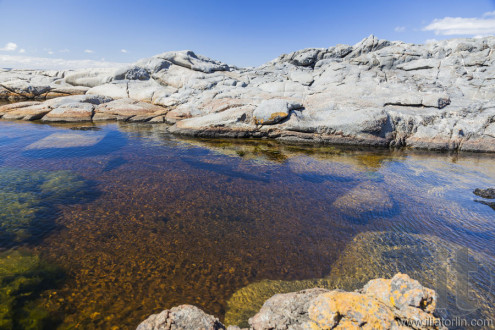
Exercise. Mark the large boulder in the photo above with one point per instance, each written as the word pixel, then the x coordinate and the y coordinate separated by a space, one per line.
pixel 273 111
pixel 399 302
pixel 181 318
pixel 396 303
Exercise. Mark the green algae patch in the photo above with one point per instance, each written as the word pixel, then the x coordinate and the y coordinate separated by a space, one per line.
pixel 27 200
pixel 247 301
pixel 23 277
pixel 434 262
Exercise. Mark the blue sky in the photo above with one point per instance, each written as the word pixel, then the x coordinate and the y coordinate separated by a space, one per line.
pixel 245 33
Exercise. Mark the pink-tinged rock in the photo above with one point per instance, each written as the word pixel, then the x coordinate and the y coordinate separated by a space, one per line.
pixel 71 112
pixel 16 106
pixel 125 109
pixel 32 112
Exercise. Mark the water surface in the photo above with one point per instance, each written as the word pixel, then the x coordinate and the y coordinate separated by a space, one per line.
pixel 138 221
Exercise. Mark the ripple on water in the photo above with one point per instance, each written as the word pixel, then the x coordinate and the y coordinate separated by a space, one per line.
pixel 175 221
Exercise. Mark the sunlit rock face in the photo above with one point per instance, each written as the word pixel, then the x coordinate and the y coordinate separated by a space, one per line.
pixel 439 265
pixel 395 303
pixel 376 92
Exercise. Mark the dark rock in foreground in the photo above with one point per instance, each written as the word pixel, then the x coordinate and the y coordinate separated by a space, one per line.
pixel 397 303
pixel 488 193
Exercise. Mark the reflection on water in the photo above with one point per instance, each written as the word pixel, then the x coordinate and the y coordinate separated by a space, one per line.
pixel 222 224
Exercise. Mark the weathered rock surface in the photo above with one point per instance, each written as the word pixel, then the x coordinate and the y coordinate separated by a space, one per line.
pixel 272 111
pixel 81 108
pixel 485 193
pixel 397 303
pixel 181 317
pixel 376 92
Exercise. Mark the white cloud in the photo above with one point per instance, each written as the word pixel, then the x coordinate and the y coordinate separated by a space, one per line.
pixel 473 26
pixel 9 47
pixel 27 62
pixel 22 51
pixel 429 41
pixel 65 50
pixel 400 29
pixel 89 51
pixel 123 51
pixel 50 52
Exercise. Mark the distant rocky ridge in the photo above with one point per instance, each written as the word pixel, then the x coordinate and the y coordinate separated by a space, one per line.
pixel 397 303
pixel 379 93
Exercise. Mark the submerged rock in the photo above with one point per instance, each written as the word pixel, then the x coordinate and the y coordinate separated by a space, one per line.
pixel 436 263
pixel 395 303
pixel 366 198
pixel 66 140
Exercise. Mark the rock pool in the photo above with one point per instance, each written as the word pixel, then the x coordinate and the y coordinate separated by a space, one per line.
pixel 118 221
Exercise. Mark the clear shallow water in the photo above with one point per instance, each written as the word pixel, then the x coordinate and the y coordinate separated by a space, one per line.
pixel 132 220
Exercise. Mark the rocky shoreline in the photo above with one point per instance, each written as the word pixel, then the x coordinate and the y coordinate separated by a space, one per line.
pixel 378 93
pixel 397 303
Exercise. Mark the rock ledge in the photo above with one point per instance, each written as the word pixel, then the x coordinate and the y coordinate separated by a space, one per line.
pixel 437 96
pixel 397 303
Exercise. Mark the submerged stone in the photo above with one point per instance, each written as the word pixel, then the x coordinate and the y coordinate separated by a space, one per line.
pixel 436 264
pixel 66 140
pixel 365 199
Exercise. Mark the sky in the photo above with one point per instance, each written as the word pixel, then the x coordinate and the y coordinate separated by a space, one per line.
pixel 98 33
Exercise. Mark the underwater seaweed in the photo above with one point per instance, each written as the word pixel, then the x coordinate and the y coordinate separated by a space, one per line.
pixel 23 277
pixel 28 200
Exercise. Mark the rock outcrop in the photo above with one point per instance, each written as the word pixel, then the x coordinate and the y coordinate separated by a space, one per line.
pixel 397 303
pixel 376 92
pixel 181 317
pixel 488 193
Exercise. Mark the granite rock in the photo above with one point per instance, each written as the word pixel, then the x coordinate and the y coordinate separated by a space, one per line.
pixel 396 303
pixel 436 96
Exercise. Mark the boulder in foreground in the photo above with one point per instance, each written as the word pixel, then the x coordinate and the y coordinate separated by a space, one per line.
pixel 397 303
